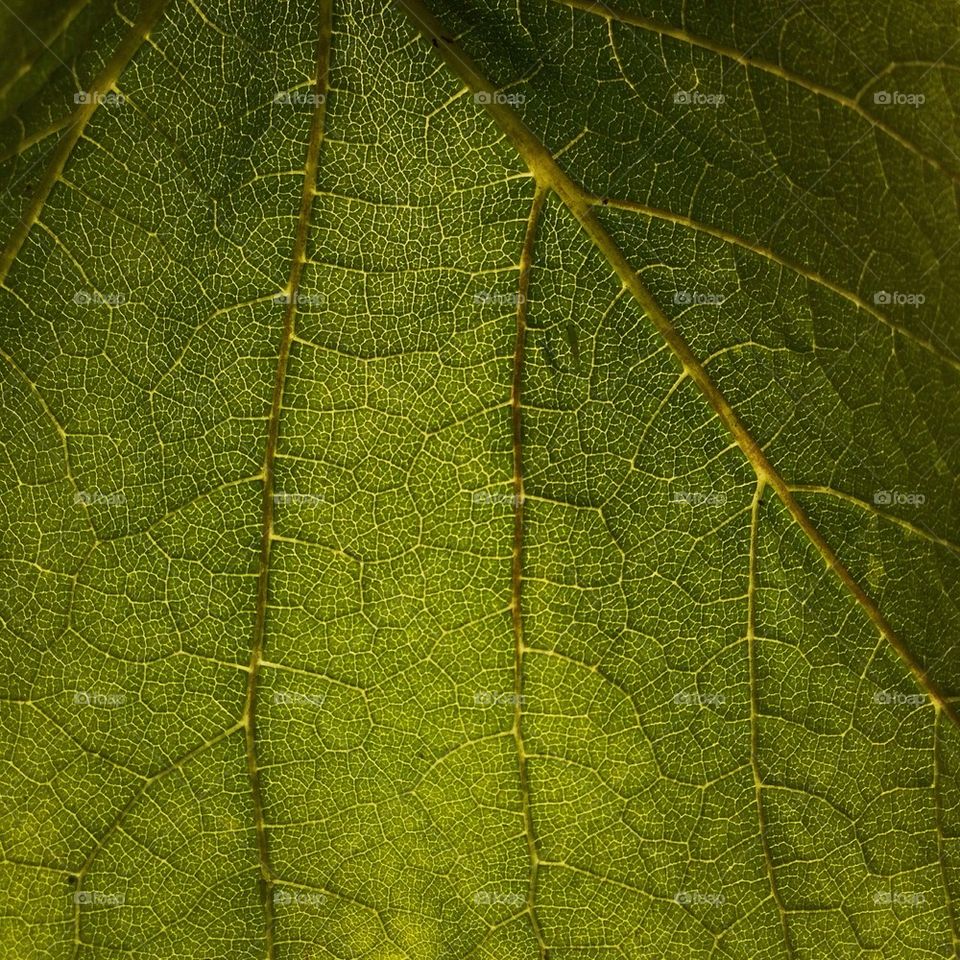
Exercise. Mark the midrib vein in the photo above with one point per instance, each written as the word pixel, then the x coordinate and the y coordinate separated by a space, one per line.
pixel 298 259
pixel 581 204
pixel 108 76
pixel 516 577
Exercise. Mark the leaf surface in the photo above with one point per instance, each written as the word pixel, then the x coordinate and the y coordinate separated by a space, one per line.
pixel 480 480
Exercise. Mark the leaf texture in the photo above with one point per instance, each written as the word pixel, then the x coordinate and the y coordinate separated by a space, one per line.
pixel 480 480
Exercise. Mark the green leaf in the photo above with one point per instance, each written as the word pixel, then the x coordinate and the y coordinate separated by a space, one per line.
pixel 480 480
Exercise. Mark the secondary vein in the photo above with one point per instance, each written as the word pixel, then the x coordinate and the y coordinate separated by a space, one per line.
pixel 298 259
pixel 526 260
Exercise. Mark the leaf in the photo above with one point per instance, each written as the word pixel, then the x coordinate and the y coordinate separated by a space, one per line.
pixel 480 480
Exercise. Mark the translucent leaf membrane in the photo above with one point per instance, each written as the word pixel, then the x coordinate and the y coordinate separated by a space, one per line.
pixel 479 481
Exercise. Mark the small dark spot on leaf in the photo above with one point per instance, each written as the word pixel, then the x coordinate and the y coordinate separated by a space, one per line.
pixel 549 353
